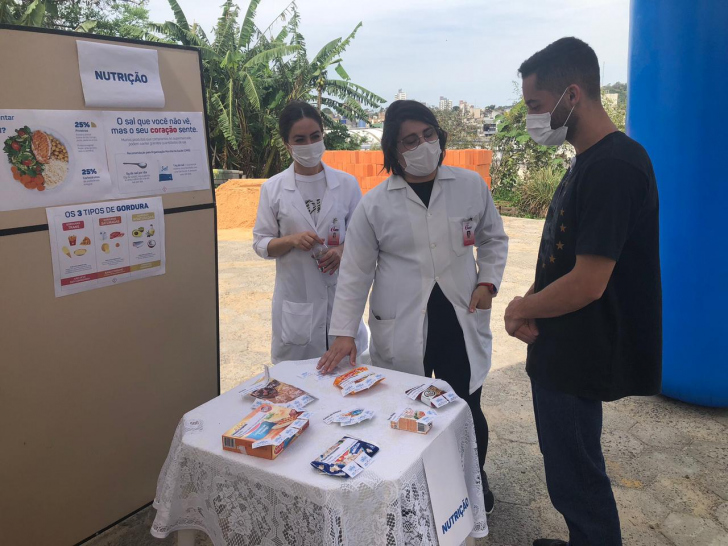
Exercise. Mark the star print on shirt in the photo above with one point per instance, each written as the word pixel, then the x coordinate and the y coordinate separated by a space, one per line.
pixel 563 228
pixel 552 259
pixel 560 245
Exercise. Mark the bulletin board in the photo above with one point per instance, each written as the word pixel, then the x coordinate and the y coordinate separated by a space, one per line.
pixel 93 384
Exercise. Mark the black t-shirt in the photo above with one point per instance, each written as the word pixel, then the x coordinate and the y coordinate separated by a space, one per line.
pixel 423 190
pixel 606 205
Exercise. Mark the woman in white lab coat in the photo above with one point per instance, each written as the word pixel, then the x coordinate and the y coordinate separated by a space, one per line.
pixel 413 237
pixel 305 207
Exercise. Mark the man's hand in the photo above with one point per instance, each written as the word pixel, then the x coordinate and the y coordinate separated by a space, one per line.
pixel 512 319
pixel 341 347
pixel 330 261
pixel 528 333
pixel 304 240
pixel 481 299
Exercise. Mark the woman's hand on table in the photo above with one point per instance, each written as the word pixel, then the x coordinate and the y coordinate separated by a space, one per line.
pixel 330 261
pixel 341 347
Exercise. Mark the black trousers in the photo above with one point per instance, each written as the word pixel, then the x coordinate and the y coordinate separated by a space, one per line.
pixel 446 355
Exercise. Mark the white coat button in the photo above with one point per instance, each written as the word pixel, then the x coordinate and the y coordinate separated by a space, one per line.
pixel 437 279
pixel 433 245
pixel 429 215
pixel 424 311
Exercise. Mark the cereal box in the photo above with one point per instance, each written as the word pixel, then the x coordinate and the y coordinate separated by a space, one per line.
pixel 266 431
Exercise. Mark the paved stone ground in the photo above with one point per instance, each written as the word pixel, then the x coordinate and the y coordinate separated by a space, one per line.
pixel 668 461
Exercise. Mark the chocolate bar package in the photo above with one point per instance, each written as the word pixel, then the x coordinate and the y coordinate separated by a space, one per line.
pixel 347 458
pixel 357 380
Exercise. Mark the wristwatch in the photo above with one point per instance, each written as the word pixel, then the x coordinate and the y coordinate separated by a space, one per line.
pixel 489 286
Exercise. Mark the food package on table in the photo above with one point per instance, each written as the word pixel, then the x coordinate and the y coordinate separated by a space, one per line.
pixel 411 420
pixel 266 431
pixel 346 458
pixel 431 395
pixel 273 391
pixel 357 380
pixel 351 417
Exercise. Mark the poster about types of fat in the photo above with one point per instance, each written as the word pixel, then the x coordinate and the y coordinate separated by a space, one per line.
pixel 103 244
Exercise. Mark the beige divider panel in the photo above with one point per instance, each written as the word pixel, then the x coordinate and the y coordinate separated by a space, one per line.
pixel 92 385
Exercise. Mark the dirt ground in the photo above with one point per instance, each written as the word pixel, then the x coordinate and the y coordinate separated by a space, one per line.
pixel 246 289
pixel 667 460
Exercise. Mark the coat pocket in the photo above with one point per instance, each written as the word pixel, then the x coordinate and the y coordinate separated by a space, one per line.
pixel 296 323
pixel 482 316
pixel 382 341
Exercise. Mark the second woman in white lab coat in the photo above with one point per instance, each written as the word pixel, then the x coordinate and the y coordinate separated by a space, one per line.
pixel 301 209
pixel 413 237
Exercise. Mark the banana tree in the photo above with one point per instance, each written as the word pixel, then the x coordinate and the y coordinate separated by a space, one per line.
pixel 235 64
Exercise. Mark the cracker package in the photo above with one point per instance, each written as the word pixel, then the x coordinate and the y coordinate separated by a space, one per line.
pixel 347 458
pixel 266 431
pixel 272 391
pixel 357 380
pixel 411 420
pixel 349 417
pixel 431 395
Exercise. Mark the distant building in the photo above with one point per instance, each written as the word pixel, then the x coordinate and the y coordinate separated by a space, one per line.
pixel 445 104
pixel 401 95
pixel 489 127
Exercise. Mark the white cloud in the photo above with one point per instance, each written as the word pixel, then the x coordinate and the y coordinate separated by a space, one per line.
pixel 463 49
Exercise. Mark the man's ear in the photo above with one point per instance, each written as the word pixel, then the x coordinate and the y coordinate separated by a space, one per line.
pixel 573 94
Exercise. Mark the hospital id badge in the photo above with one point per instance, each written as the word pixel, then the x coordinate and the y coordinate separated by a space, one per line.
pixel 468 232
pixel 334 237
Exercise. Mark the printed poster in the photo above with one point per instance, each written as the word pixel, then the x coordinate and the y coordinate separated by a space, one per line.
pixel 448 493
pixel 116 76
pixel 101 244
pixel 52 157
pixel 152 153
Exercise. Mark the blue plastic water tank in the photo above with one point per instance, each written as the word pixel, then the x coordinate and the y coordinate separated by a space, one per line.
pixel 678 89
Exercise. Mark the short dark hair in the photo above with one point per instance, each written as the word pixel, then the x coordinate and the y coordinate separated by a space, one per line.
pixel 563 63
pixel 397 113
pixel 294 111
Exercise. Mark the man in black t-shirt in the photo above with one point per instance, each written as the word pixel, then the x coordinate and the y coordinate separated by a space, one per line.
pixel 593 318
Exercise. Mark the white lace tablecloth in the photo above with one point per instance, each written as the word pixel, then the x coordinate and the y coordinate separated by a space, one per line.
pixel 239 500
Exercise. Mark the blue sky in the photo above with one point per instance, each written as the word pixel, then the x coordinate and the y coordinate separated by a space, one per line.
pixel 462 49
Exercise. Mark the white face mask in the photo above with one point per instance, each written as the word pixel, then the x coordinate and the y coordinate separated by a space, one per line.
pixel 308 155
pixel 424 159
pixel 539 127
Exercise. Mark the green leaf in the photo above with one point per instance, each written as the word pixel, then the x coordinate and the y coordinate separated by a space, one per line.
pixel 246 29
pixel 179 15
pixel 87 26
pixel 250 91
pixel 341 72
pixel 522 139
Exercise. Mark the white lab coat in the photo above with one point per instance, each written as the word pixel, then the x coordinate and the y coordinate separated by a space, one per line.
pixel 303 297
pixel 405 248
